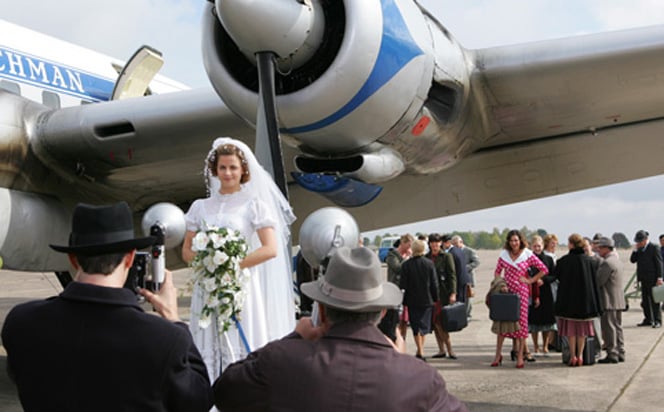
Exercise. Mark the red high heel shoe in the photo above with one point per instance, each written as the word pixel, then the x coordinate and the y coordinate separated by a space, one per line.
pixel 520 365
pixel 572 361
pixel 498 362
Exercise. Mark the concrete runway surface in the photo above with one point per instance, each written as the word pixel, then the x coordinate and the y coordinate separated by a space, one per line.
pixel 546 385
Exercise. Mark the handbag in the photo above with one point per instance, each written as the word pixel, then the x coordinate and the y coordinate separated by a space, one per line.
pixel 505 307
pixel 658 293
pixel 454 317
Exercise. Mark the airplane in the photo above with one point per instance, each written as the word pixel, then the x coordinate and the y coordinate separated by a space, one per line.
pixel 373 105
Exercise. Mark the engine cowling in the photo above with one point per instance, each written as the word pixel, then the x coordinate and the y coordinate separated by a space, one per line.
pixel 28 224
pixel 385 71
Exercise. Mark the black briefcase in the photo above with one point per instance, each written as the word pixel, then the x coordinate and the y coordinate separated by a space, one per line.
pixel 504 307
pixel 454 317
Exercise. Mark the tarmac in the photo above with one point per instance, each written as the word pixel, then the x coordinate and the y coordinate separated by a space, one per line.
pixel 546 385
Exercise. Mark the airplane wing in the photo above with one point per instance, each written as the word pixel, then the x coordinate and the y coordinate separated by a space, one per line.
pixel 557 116
pixel 380 110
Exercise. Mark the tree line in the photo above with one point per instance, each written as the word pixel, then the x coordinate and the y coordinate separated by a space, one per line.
pixel 496 238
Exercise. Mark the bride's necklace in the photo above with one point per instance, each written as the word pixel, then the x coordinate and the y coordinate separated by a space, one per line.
pixel 513 255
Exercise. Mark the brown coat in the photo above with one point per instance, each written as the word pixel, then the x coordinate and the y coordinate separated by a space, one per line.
pixel 352 368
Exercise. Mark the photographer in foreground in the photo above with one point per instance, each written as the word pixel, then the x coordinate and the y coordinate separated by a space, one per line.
pixel 93 348
pixel 343 364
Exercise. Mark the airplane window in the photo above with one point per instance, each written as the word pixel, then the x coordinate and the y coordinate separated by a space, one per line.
pixel 11 87
pixel 51 99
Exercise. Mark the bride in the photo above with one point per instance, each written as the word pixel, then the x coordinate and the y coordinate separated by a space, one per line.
pixel 244 197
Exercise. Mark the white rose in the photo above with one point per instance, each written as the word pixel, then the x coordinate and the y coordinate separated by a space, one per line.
pixel 208 261
pixel 209 284
pixel 220 257
pixel 199 242
pixel 204 322
pixel 216 240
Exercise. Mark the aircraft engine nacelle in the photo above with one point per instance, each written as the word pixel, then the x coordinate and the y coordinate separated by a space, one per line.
pixel 28 224
pixel 377 71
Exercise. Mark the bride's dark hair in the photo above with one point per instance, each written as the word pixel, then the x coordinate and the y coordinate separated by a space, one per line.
pixel 228 150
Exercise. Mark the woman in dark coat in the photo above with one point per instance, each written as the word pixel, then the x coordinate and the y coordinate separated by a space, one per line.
pixel 541 317
pixel 578 297
pixel 418 281
pixel 447 286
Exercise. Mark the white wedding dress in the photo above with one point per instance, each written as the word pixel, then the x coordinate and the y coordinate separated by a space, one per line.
pixel 269 310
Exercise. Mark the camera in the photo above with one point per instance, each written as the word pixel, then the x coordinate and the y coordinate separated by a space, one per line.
pixel 137 277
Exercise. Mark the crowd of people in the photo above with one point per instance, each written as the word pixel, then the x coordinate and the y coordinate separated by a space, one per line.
pixel 570 301
pixel 349 355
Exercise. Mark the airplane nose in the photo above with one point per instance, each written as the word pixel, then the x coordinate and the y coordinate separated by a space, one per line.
pixel 278 26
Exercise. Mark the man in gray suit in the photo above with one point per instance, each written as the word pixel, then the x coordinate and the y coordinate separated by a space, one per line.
pixel 609 281
pixel 343 364
pixel 472 262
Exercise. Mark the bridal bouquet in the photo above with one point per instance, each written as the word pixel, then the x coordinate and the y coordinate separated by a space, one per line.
pixel 219 252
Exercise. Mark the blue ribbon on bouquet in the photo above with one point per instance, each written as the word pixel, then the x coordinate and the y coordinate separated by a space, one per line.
pixel 241 332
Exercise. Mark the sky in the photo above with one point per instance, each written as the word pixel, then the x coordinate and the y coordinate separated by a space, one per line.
pixel 118 27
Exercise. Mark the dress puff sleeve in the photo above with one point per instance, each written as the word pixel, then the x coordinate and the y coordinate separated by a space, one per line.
pixel 261 215
pixel 192 218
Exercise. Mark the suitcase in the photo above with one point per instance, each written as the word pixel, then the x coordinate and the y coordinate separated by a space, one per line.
pixel 658 293
pixel 454 317
pixel 504 307
pixel 588 350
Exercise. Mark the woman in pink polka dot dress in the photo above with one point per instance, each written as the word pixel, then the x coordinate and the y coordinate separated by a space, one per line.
pixel 514 262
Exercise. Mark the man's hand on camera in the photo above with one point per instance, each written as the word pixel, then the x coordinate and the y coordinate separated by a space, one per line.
pixel 164 302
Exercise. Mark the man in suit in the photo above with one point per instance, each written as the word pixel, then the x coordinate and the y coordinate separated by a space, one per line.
pixel 649 272
pixel 472 262
pixel 612 297
pixel 93 348
pixel 460 268
pixel 394 259
pixel 343 364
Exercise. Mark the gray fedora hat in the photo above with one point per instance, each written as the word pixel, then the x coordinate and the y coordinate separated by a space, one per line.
pixel 354 281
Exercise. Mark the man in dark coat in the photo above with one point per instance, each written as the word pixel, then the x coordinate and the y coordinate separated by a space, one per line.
pixel 649 272
pixel 460 267
pixel 93 348
pixel 344 364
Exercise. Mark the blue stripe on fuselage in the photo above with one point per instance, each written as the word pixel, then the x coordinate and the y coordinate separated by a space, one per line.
pixel 45 74
pixel 397 48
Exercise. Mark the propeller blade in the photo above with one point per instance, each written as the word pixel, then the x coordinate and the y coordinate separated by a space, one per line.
pixel 268 143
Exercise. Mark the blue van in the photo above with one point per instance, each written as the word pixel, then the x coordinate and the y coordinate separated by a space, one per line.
pixel 385 246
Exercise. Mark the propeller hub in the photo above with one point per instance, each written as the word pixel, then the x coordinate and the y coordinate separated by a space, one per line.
pixel 291 29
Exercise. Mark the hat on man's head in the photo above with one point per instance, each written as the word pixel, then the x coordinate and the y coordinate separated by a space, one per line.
pixel 605 242
pixel 99 230
pixel 354 281
pixel 640 236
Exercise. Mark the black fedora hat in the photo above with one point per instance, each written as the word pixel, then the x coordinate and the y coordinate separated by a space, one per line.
pixel 98 230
